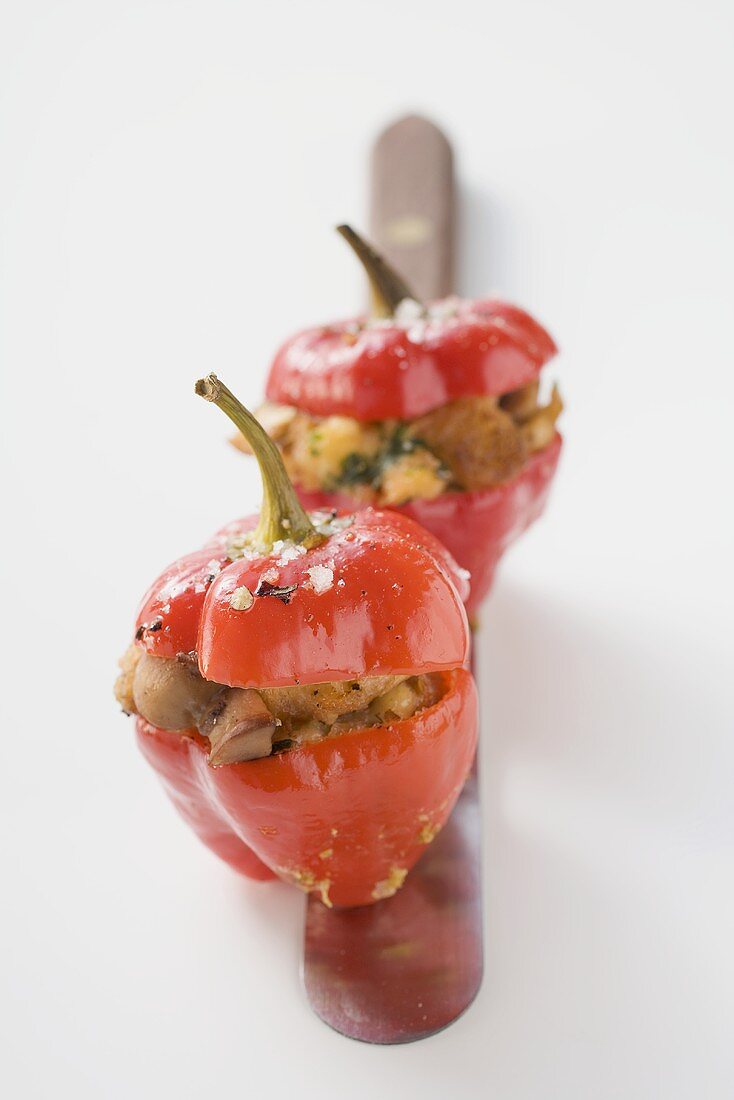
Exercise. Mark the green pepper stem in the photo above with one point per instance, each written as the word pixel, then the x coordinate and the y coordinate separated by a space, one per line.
pixel 387 288
pixel 281 516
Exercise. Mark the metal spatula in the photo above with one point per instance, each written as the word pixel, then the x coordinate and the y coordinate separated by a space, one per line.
pixel 406 967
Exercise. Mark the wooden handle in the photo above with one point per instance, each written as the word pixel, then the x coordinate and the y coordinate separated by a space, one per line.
pixel 412 216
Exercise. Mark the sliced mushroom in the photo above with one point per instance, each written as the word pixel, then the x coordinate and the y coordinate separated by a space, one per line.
pixel 170 693
pixel 539 430
pixel 239 727
pixel 522 403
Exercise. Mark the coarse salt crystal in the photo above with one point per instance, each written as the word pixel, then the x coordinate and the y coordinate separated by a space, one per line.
pixel 340 523
pixel 320 578
pixel 237 548
pixel 444 309
pixel 408 310
pixel 287 551
pixel 327 524
pixel 417 332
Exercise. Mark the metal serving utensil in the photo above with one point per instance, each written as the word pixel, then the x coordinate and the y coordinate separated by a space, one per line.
pixel 407 966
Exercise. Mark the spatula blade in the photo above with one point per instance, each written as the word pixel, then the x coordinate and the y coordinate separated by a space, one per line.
pixel 408 966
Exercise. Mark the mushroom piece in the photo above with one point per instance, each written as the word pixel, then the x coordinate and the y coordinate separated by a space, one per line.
pixel 539 430
pixel 522 403
pixel 170 693
pixel 478 441
pixel 239 727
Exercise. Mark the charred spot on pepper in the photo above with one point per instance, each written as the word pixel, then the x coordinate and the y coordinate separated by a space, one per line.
pixel 284 593
pixel 149 628
pixel 283 745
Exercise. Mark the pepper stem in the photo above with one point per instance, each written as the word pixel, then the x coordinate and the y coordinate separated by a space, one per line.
pixel 281 516
pixel 387 288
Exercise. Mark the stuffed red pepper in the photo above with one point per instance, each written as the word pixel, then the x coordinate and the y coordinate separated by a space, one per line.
pixel 431 408
pixel 300 686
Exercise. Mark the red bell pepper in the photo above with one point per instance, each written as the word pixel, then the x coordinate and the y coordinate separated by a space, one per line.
pixel 390 369
pixel 339 599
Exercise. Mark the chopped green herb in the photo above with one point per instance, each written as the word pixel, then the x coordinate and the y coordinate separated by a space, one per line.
pixel 358 469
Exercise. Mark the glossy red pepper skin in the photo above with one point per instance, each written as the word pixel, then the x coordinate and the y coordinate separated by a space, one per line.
pixel 394 607
pixel 476 527
pixel 180 762
pixel 388 371
pixel 345 817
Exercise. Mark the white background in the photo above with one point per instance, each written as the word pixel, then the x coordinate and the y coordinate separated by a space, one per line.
pixel 171 173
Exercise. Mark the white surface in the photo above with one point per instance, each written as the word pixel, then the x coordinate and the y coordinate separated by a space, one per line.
pixel 171 174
